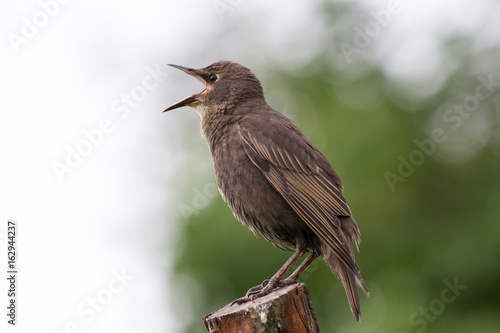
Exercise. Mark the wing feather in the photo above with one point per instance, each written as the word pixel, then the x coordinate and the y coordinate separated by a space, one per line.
pixel 307 188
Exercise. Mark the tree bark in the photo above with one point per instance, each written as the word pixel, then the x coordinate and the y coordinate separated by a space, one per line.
pixel 286 309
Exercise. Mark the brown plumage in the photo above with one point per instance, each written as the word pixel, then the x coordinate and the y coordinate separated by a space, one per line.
pixel 274 180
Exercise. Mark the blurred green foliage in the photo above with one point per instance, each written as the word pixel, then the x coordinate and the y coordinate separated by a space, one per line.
pixel 438 227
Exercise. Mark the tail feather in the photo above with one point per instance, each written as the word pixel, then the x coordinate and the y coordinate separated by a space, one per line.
pixel 349 279
pixel 361 284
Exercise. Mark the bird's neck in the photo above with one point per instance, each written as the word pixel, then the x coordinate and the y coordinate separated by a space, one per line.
pixel 214 126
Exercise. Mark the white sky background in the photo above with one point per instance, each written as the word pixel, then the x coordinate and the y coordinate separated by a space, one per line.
pixel 114 212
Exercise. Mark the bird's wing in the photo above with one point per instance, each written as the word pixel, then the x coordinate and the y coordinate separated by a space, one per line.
pixel 287 160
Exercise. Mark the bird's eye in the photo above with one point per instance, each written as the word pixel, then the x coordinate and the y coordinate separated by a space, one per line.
pixel 212 78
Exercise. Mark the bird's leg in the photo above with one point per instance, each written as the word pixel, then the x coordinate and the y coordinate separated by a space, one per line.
pixel 302 267
pixel 269 285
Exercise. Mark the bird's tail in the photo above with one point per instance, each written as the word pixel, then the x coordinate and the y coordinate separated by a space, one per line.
pixel 349 279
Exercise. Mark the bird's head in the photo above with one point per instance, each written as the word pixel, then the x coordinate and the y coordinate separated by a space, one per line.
pixel 228 84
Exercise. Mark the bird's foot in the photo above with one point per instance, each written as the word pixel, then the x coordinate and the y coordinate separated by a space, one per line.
pixel 256 289
pixel 251 292
pixel 263 289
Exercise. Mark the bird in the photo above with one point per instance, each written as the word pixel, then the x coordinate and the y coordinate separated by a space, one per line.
pixel 274 180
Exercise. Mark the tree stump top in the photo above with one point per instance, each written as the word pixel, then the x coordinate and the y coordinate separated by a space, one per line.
pixel 286 309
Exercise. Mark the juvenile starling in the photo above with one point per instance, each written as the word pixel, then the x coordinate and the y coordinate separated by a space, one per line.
pixel 274 180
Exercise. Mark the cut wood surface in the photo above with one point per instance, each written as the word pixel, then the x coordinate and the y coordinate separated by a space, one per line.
pixel 286 309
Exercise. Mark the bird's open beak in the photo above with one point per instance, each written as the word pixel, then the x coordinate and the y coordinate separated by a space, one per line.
pixel 190 99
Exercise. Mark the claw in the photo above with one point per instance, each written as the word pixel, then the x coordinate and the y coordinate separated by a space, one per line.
pixel 266 287
pixel 256 289
pixel 251 294
pixel 240 300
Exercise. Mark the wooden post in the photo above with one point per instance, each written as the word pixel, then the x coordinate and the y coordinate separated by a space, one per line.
pixel 286 309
